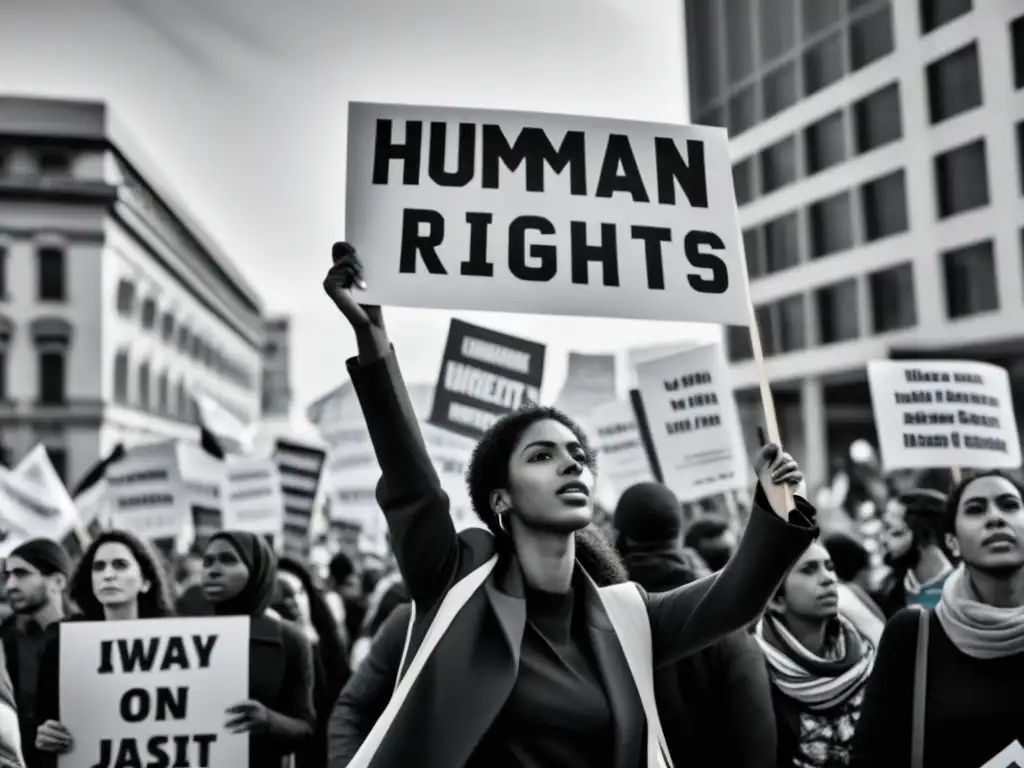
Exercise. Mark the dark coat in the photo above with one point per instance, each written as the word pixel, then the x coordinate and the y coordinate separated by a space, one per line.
pixel 8 636
pixel 716 705
pixel 471 672
pixel 280 677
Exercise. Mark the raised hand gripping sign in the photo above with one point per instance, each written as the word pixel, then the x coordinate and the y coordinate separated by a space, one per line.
pixel 539 213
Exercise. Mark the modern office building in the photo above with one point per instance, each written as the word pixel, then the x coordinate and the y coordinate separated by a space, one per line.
pixel 878 151
pixel 277 367
pixel 115 307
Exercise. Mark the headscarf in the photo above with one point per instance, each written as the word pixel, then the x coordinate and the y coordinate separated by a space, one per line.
pixel 817 682
pixel 255 552
pixel 980 630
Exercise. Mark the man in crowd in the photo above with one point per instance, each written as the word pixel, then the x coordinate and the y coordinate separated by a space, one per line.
pixel 713 539
pixel 716 704
pixel 912 530
pixel 36 576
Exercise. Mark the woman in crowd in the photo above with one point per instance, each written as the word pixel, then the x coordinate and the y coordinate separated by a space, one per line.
pixel 330 663
pixel 119 578
pixel 239 573
pixel 975 644
pixel 530 671
pixel 819 664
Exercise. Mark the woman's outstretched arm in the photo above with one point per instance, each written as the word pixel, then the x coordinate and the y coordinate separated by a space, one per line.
pixel 409 492
pixel 690 618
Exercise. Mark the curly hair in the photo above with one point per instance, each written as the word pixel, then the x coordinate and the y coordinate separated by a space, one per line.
pixel 156 603
pixel 488 466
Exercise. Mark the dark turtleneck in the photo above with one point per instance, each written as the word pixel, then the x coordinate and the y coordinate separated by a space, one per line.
pixel 558 712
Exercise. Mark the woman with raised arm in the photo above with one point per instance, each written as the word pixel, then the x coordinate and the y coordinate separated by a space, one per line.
pixel 530 671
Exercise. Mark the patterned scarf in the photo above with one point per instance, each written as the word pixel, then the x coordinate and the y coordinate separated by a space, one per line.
pixel 980 630
pixel 818 682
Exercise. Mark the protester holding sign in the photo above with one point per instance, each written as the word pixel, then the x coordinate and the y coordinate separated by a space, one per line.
pixel 118 578
pixel 974 645
pixel 239 572
pixel 489 691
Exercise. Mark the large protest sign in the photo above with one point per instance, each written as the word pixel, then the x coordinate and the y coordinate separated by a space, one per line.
pixel 147 494
pixel 299 465
pixel 205 478
pixel 37 469
pixel 693 421
pixel 943 413
pixel 254 499
pixel 541 213
pixel 154 691
pixel 484 374
pixel 621 456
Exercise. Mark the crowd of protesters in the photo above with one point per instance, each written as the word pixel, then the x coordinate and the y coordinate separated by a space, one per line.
pixel 778 645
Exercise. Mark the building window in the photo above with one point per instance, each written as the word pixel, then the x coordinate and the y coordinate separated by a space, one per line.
pixel 162 394
pixel 754 250
pixel 1020 154
pixel 1017 43
pixel 51 274
pixel 838 316
pixel 824 64
pixel 778 165
pixel 184 338
pixel 742 110
pixel 145 384
pixel 962 179
pixel 766 329
pixel 125 298
pixel 780 89
pixel 706 74
pixel 970 275
pixel 121 375
pixel 739 39
pixel 59 460
pixel 782 243
pixel 877 119
pixel 737 343
pixel 778 28
pixel 51 377
pixel 167 327
pixel 871 38
pixel 54 163
pixel 148 318
pixel 936 13
pixel 954 84
pixel 3 272
pixel 181 410
pixel 792 325
pixel 819 15
pixel 884 202
pixel 893 301
pixel 831 225
pixel 743 181
pixel 3 372
pixel 825 143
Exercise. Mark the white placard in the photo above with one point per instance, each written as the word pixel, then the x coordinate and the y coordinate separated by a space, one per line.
pixel 539 213
pixel 943 413
pixel 146 491
pixel 254 501
pixel 1011 757
pixel 37 469
pixel 154 690
pixel 694 423
pixel 621 457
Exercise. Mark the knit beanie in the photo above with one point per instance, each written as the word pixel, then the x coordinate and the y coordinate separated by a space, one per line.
pixel 46 555
pixel 648 513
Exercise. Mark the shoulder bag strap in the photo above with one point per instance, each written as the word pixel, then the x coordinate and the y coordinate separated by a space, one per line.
pixel 450 606
pixel 408 641
pixel 920 690
pixel 628 614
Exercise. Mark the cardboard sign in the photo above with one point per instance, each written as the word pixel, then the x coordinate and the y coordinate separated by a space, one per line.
pixel 484 375
pixel 37 469
pixel 943 413
pixel 254 500
pixel 205 479
pixel 621 457
pixel 540 213
pixel 154 691
pixel 147 494
pixel 299 466
pixel 694 423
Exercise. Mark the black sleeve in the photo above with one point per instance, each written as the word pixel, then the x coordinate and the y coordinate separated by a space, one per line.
pixel 747 696
pixel 48 687
pixel 883 733
pixel 368 691
pixel 295 718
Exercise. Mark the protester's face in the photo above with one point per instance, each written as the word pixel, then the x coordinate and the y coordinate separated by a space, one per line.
pixel 117 578
pixel 352 587
pixel 224 573
pixel 810 590
pixel 295 595
pixel 990 526
pixel 717 552
pixel 897 538
pixel 550 485
pixel 26 587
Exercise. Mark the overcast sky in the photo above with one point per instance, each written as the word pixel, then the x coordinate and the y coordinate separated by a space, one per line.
pixel 243 103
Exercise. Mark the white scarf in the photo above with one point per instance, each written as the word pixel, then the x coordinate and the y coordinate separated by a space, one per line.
pixel 980 630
